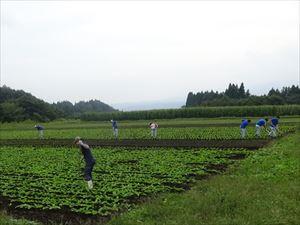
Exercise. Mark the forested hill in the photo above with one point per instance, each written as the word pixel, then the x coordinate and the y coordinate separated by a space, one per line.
pixel 236 95
pixel 70 110
pixel 18 105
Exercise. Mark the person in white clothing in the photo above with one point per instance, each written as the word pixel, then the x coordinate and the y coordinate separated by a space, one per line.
pixel 153 126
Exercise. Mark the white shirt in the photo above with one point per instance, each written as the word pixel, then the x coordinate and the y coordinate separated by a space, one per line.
pixel 153 125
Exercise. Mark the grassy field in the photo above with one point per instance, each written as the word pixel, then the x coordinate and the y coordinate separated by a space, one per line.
pixel 7 220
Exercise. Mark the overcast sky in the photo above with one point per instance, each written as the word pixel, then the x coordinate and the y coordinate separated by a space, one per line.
pixel 140 51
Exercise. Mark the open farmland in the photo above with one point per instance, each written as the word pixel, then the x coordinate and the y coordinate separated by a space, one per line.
pixel 149 112
pixel 45 183
pixel 49 181
pixel 207 133
pixel 163 123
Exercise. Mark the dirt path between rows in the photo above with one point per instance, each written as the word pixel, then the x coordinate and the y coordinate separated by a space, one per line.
pixel 250 144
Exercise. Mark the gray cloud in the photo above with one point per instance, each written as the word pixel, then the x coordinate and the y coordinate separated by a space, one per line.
pixel 147 51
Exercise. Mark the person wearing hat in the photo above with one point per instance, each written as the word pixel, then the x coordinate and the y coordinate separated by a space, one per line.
pixel 89 161
pixel 115 128
pixel 40 130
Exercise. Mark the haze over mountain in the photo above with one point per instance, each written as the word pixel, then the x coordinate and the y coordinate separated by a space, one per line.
pixel 147 105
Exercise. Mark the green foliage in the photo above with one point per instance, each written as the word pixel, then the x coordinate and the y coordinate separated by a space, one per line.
pixel 207 133
pixel 197 112
pixel 11 111
pixel 17 105
pixel 235 95
pixel 50 178
pixel 77 109
pixel 6 220
pixel 263 189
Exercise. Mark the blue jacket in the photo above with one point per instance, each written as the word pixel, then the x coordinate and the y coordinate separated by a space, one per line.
pixel 274 122
pixel 39 127
pixel 261 122
pixel 114 124
pixel 244 124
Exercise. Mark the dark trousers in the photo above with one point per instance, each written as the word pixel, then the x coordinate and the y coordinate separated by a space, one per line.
pixel 88 170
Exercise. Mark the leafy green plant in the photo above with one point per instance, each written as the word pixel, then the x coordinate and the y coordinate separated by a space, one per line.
pixel 50 179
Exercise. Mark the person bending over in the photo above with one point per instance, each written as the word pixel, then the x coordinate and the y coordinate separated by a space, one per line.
pixel 89 161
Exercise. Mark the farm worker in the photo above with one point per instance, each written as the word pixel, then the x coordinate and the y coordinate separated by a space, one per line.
pixel 115 128
pixel 89 161
pixel 274 126
pixel 153 126
pixel 243 126
pixel 40 130
pixel 259 125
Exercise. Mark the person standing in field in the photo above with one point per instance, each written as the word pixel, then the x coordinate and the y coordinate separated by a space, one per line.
pixel 243 126
pixel 115 128
pixel 153 126
pixel 274 126
pixel 260 124
pixel 89 161
pixel 40 130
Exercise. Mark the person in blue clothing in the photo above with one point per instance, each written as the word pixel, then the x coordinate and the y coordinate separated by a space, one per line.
pixel 40 130
pixel 274 128
pixel 243 126
pixel 89 161
pixel 260 124
pixel 115 128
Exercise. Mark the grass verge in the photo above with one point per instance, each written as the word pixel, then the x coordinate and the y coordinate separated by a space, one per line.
pixel 7 220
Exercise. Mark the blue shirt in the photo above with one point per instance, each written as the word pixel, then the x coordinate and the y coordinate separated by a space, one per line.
pixel 261 122
pixel 114 124
pixel 39 127
pixel 274 122
pixel 244 124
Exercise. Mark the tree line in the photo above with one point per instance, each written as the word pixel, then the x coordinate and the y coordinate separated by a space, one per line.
pixel 18 105
pixel 236 95
pixel 196 112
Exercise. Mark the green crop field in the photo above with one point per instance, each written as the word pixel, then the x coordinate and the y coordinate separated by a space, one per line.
pixel 47 182
pixel 50 178
pixel 140 133
pixel 185 122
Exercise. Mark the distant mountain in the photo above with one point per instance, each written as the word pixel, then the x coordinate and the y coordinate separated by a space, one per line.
pixel 18 105
pixel 70 110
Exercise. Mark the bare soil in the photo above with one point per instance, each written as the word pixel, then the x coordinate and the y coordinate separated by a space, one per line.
pixel 250 144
